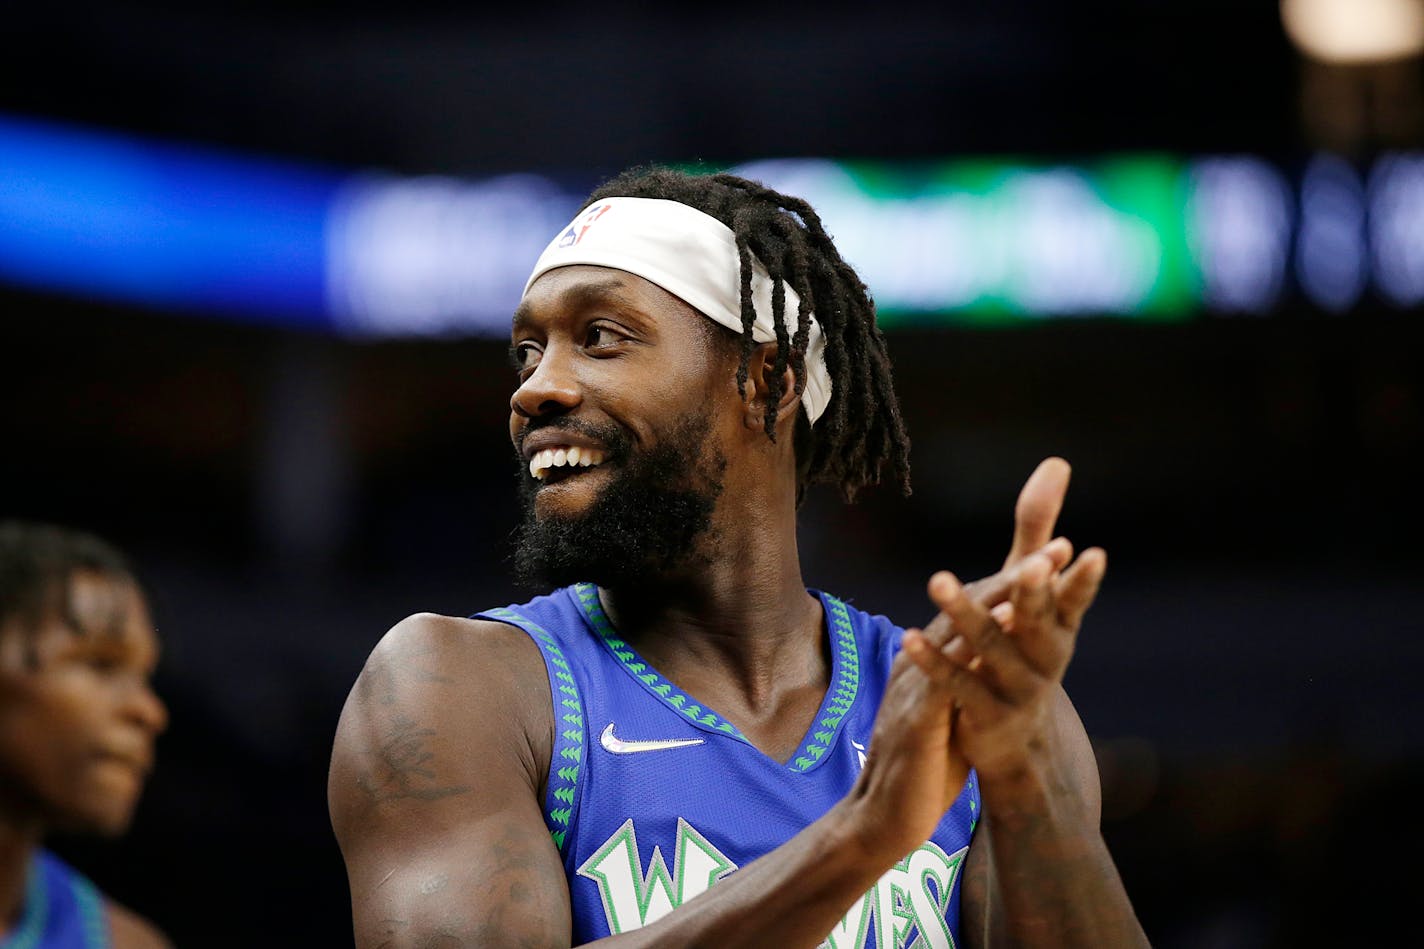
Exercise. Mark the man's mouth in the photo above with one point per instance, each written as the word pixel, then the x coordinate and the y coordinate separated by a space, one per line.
pixel 563 460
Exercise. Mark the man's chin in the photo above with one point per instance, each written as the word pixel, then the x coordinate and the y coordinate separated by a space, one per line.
pixel 569 498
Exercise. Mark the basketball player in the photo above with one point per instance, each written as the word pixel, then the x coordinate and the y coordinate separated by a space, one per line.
pixel 682 745
pixel 78 720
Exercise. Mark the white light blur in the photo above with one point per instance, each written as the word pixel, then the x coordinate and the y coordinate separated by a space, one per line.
pixel 1396 197
pixel 437 256
pixel 1355 31
pixel 1239 217
pixel 1331 256
pixel 1074 253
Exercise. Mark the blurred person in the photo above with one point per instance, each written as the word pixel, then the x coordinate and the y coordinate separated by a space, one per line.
pixel 78 722
pixel 682 744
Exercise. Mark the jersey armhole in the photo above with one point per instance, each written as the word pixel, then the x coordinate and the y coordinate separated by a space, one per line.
pixel 564 792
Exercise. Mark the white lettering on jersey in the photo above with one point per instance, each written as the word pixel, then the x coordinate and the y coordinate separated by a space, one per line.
pixel 906 907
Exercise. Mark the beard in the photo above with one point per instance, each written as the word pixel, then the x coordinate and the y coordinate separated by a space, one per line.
pixel 646 521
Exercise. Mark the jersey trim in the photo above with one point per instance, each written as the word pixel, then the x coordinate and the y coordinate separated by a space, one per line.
pixel 91 912
pixel 670 695
pixel 561 801
pixel 845 685
pixel 49 881
pixel 840 696
pixel 36 917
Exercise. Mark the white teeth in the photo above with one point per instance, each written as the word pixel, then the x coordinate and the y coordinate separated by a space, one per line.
pixel 570 456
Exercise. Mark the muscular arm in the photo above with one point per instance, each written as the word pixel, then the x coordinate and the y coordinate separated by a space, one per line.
pixel 1039 872
pixel 434 791
pixel 436 784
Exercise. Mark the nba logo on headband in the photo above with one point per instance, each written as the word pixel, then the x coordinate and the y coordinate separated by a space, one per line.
pixel 579 227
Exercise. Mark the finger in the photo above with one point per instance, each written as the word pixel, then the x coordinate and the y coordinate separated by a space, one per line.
pixel 948 677
pixel 1035 614
pixel 999 661
pixel 957 651
pixel 995 589
pixel 931 662
pixel 1039 504
pixel 1003 614
pixel 1077 587
pixel 938 630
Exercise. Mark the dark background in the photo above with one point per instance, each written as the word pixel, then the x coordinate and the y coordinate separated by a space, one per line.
pixel 1248 674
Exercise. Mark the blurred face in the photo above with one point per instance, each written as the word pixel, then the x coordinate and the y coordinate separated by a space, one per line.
pixel 617 420
pixel 78 717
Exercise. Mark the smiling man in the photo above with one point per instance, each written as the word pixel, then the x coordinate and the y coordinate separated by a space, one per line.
pixel 682 744
pixel 78 721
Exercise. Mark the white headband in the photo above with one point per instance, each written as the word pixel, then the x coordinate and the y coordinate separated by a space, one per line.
pixel 694 257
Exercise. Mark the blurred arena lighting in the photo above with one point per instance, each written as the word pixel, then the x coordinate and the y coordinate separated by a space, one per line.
pixel 1355 31
pixel 435 256
pixel 1396 196
pixel 1330 251
pixel 162 226
pixel 1239 222
pixel 968 240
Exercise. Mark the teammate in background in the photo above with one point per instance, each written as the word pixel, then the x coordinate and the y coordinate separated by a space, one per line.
pixel 78 720
pixel 682 745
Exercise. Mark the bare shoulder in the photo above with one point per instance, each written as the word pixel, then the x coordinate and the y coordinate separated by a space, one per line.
pixel 128 930
pixel 433 680
pixel 470 644
pixel 436 788
pixel 465 660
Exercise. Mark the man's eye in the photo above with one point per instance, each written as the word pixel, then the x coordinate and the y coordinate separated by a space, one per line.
pixel 524 355
pixel 600 335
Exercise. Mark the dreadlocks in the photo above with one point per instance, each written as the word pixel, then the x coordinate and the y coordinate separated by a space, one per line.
pixel 861 429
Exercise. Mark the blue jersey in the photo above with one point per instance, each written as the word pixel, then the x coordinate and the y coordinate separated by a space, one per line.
pixel 63 910
pixel 653 797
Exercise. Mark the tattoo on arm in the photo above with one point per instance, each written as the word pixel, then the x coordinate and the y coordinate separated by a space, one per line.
pixel 400 767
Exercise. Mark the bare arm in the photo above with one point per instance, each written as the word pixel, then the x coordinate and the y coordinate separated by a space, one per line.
pixel 435 790
pixel 1052 826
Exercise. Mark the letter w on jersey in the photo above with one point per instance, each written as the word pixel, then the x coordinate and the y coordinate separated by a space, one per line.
pixel 632 900
pixel 906 908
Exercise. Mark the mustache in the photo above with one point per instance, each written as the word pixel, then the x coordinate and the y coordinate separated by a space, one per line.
pixel 616 444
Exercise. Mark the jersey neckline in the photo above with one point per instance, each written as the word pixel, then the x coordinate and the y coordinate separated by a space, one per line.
pixel 840 694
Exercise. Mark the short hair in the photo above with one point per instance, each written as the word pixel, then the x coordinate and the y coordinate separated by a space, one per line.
pixel 862 430
pixel 37 563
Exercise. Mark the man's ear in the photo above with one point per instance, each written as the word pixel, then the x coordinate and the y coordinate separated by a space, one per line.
pixel 761 371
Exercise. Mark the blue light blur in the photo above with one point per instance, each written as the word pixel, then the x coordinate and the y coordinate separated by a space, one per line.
pixel 160 225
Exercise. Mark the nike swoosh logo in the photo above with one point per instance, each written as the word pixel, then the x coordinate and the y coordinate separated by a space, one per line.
pixel 620 747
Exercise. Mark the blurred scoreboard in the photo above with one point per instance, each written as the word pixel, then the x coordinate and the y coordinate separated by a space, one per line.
pixel 967 240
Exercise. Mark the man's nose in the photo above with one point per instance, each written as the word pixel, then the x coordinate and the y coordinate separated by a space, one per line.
pixel 552 387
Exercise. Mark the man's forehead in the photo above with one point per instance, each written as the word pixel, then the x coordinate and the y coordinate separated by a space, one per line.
pixel 582 285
